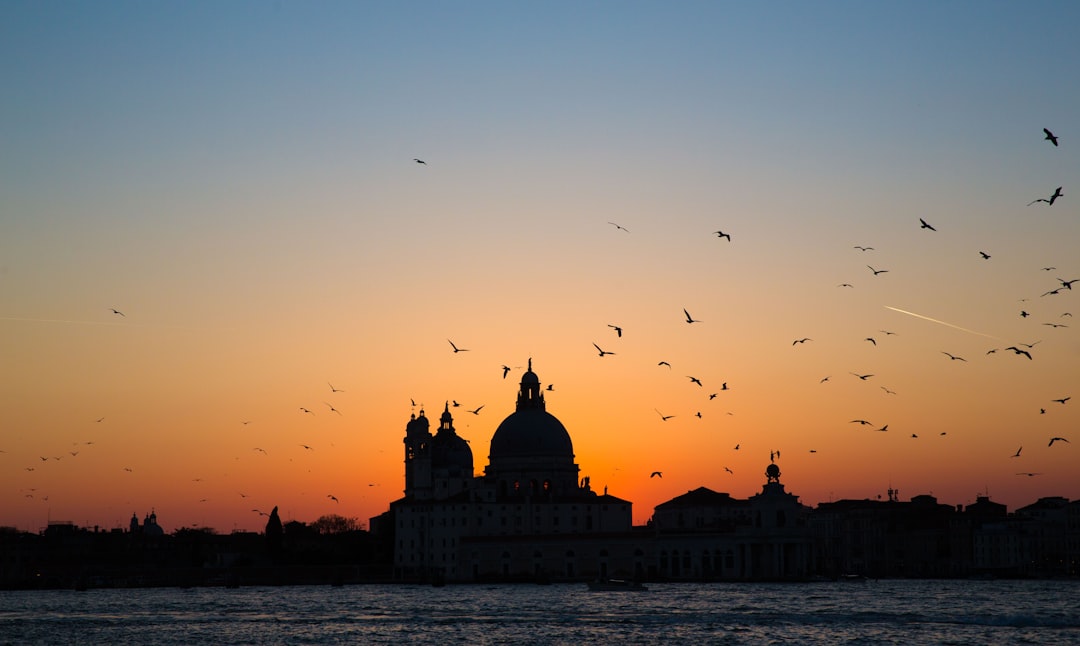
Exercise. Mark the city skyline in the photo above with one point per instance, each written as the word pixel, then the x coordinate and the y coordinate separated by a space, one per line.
pixel 228 279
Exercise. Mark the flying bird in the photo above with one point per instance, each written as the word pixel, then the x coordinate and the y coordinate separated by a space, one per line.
pixel 1057 439
pixel 618 330
pixel 845 285
pixel 1067 284
pixel 863 248
pixel 662 363
pixel 656 474
pixel 601 351
pixel 1028 474
pixel 505 369
pixel 1017 454
pixel 953 357
pixel 1017 350
pixel 332 409
pixel 332 497
pixel 1050 137
pixel 721 234
pixel 924 225
pixel 694 380
pixel 1050 200
pixel 456 349
pixel 1062 400
pixel 419 161
pixel 871 340
pixel 860 421
pixel 690 319
pixel 729 471
pixel 477 410
pixel 802 340
pixel 619 226
pixel 334 390
pixel 878 271
pixel 304 410
pixel 985 256
pixel 663 417
pixel 116 311
pixel 863 377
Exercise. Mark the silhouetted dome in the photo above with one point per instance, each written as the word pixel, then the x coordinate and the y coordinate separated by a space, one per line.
pixel 451 452
pixel 531 432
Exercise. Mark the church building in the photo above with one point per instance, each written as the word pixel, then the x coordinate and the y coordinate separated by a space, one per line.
pixel 529 516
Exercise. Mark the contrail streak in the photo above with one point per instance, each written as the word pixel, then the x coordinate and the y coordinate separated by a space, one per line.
pixel 927 318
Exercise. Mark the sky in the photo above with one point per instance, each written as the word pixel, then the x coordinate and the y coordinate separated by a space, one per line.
pixel 239 181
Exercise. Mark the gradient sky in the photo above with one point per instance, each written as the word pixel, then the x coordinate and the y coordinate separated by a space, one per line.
pixel 238 179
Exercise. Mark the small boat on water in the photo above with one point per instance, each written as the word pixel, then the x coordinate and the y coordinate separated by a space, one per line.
pixel 616 585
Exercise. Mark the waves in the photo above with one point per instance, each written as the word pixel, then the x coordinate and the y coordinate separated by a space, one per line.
pixel 900 612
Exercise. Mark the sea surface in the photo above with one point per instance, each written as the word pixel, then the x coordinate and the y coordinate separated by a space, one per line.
pixel 871 612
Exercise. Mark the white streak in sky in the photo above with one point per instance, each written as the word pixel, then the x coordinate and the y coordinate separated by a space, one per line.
pixel 927 318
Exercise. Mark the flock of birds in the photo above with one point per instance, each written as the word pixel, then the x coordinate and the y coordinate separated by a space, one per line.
pixel 1024 350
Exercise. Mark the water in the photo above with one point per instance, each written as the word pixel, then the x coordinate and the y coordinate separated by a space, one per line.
pixel 882 612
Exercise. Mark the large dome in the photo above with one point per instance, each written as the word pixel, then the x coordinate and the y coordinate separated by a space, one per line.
pixel 531 432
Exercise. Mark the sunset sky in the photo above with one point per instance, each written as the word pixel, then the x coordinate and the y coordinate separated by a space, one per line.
pixel 238 179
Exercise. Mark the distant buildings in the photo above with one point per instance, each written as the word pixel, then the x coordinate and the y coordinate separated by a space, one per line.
pixel 531 517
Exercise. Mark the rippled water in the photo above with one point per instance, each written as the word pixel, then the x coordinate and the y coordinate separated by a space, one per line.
pixel 883 612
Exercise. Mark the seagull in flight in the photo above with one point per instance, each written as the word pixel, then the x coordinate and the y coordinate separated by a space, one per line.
pixel 619 226
pixel 332 409
pixel 334 390
pixel 1017 454
pixel 419 161
pixel 662 363
pixel 1050 200
pixel 602 352
pixel 116 311
pixel 477 410
pixel 721 234
pixel 1057 439
pixel 878 271
pixel 924 225
pixel 456 349
pixel 863 377
pixel 953 357
pixel 1067 284
pixel 985 256
pixel 505 369
pixel 1062 400
pixel 863 248
pixel 332 497
pixel 870 339
pixel 802 340
pixel 1051 137
pixel 860 421
pixel 663 417
pixel 694 380
pixel 1018 351
pixel 656 474
pixel 690 319
pixel 1028 474
pixel 618 330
